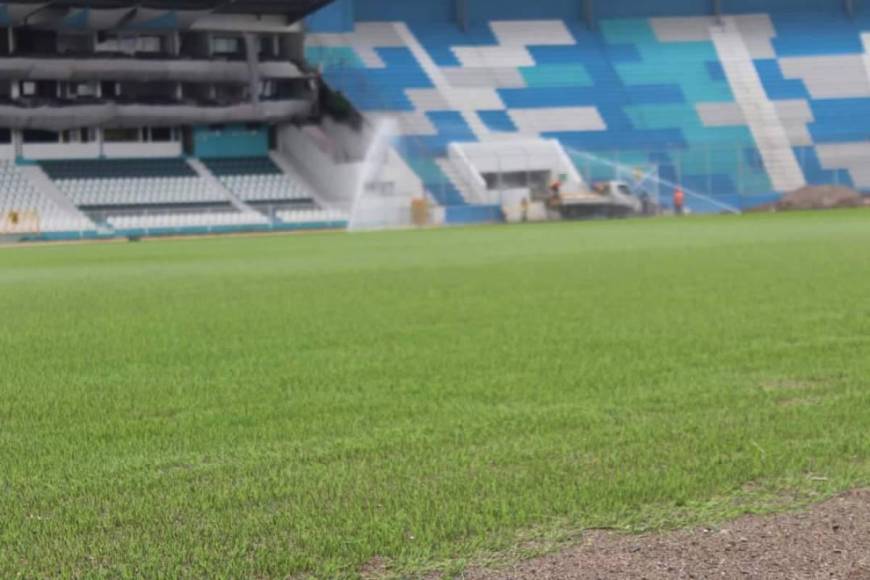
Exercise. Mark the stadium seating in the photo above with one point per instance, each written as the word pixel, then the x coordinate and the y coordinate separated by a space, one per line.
pixel 181 220
pixel 138 191
pixel 33 209
pixel 312 215
pixel 167 195
pixel 742 109
pixel 257 179
pixel 130 182
pixel 117 168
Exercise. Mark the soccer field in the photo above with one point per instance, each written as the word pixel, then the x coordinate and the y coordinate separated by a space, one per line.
pixel 307 405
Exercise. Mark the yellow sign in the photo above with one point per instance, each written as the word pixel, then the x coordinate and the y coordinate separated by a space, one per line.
pixel 420 212
pixel 19 222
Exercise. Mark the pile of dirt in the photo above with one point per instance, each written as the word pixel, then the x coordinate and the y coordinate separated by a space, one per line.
pixel 818 197
pixel 831 540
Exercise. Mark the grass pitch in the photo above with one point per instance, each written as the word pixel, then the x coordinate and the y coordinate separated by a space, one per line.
pixel 312 405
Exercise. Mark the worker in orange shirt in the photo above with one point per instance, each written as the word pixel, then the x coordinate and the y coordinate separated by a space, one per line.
pixel 679 201
pixel 555 193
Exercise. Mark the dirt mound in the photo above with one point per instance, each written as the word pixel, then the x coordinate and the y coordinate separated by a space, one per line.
pixel 818 197
pixel 831 540
pixel 821 197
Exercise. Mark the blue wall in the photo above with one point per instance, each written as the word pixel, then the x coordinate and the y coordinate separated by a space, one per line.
pixel 231 141
pixel 408 10
pixel 335 17
pixel 341 14
pixel 485 10
pixel 742 6
pixel 625 9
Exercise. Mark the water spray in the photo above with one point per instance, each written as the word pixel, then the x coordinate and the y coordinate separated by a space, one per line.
pixel 624 169
pixel 374 161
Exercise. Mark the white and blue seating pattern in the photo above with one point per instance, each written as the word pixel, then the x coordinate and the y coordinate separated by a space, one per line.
pixel 37 211
pixel 647 91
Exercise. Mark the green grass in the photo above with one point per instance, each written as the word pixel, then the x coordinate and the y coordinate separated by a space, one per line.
pixel 300 405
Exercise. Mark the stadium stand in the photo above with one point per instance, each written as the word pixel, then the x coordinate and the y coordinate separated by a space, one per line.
pixel 180 127
pixel 108 115
pixel 130 182
pixel 742 107
pixel 166 194
pixel 24 208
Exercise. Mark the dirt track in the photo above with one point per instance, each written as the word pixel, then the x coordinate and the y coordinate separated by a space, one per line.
pixel 831 540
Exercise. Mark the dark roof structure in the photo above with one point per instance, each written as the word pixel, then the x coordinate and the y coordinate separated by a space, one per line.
pixel 21 12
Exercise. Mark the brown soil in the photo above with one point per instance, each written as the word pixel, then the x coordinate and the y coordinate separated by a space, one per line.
pixel 818 197
pixel 831 540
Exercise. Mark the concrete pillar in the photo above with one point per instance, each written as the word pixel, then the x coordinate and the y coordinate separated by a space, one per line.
pixel 17 144
pixel 98 135
pixel 461 10
pixel 589 13
pixel 252 50
pixel 716 9
pixel 209 50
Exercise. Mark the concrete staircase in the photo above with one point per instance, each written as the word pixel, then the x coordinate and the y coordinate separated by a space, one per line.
pixel 215 184
pixel 288 168
pixel 457 180
pixel 466 101
pixel 759 112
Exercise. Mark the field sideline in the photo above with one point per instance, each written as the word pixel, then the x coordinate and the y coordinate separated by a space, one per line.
pixel 308 405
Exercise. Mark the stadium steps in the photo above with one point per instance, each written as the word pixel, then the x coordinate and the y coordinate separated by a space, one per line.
pixel 760 113
pixel 216 184
pixel 463 101
pixel 455 178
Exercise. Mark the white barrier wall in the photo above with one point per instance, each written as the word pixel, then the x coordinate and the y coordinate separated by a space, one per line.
pixel 476 159
pixel 465 169
pixel 333 181
pixel 142 150
pixel 337 182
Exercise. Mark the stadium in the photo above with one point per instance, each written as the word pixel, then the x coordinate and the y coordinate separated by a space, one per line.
pixel 435 288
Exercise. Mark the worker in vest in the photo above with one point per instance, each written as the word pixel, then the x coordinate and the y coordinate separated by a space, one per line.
pixel 679 200
pixel 555 193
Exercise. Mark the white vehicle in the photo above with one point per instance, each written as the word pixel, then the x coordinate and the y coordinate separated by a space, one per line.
pixel 607 199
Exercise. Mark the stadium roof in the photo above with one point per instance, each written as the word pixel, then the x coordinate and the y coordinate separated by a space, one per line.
pixel 293 9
